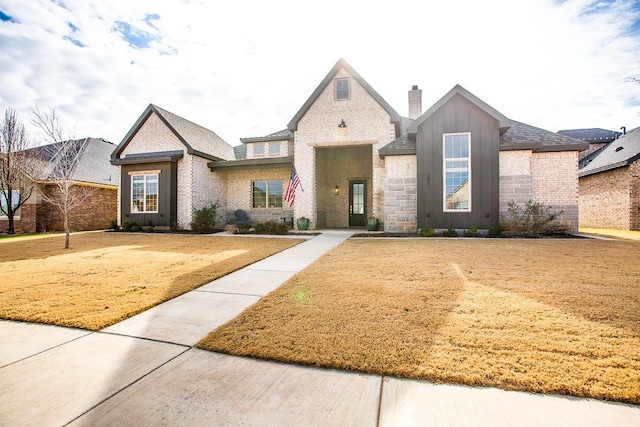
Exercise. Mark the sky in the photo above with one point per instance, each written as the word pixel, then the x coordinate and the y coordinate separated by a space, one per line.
pixel 244 68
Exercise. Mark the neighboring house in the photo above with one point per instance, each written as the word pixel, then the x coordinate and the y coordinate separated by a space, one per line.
pixel 92 170
pixel 610 185
pixel 457 165
pixel 595 137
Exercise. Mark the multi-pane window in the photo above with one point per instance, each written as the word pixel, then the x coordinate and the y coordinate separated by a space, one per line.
pixel 144 193
pixel 267 194
pixel 15 198
pixel 274 149
pixel 457 172
pixel 342 88
pixel 258 150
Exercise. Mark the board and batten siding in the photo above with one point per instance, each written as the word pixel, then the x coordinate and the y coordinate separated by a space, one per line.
pixel 456 116
pixel 167 194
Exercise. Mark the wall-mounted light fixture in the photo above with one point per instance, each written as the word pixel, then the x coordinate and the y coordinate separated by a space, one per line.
pixel 342 124
pixel 336 190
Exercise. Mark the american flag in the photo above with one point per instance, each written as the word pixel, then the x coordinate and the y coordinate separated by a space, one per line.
pixel 294 181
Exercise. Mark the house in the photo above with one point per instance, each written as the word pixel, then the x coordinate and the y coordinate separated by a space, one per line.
pixel 610 185
pixel 595 137
pixel 91 170
pixel 457 165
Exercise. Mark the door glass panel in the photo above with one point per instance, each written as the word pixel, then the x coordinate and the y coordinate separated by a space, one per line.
pixel 358 199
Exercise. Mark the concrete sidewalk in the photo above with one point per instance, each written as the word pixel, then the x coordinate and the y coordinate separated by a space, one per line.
pixel 144 371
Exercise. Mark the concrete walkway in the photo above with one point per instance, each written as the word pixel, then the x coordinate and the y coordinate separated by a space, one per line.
pixel 144 371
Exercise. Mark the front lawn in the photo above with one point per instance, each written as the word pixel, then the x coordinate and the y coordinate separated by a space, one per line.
pixel 551 315
pixel 106 277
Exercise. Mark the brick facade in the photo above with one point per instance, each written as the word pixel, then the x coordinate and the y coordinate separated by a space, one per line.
pixel 550 178
pixel 611 199
pixel 367 123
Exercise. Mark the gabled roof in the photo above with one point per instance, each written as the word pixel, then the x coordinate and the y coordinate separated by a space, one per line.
pixel 618 153
pixel 92 163
pixel 591 135
pixel 281 135
pixel 505 123
pixel 521 136
pixel 199 141
pixel 395 117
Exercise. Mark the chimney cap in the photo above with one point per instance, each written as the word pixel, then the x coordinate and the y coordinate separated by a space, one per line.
pixel 415 87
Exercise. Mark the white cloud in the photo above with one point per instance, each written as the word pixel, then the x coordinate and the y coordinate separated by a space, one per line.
pixel 245 68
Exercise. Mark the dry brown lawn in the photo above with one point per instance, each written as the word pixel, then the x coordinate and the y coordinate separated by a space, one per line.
pixel 107 277
pixel 552 316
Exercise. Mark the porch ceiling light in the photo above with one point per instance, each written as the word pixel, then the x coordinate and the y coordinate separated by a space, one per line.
pixel 336 190
pixel 342 124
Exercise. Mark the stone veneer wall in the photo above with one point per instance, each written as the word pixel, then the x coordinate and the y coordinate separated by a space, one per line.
pixel 240 189
pixel 550 178
pixel 400 199
pixel 366 123
pixel 611 199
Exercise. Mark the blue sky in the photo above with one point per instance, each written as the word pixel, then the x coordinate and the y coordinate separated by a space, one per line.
pixel 244 68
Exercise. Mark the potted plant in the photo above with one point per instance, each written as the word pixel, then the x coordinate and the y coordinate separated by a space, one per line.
pixel 372 223
pixel 303 223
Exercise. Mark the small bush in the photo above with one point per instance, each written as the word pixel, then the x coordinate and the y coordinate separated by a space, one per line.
pixel 450 232
pixel 204 219
pixel 114 225
pixel 472 231
pixel 495 231
pixel 150 226
pixel 131 226
pixel 531 220
pixel 271 227
pixel 427 232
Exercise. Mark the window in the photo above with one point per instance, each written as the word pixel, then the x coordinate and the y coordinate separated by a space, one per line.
pixel 457 172
pixel 144 193
pixel 258 150
pixel 15 199
pixel 342 88
pixel 274 149
pixel 267 194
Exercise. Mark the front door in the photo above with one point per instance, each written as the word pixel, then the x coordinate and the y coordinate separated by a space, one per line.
pixel 357 203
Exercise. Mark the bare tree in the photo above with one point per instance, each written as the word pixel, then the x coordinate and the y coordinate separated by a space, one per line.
pixel 16 167
pixel 64 153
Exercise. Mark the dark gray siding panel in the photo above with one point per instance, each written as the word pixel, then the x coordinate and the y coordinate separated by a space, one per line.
pixel 167 194
pixel 458 115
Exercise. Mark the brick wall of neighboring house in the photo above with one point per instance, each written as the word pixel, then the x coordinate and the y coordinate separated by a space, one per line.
pixel 591 148
pixel 24 222
pixel 400 200
pixel 549 178
pixel 96 213
pixel 366 123
pixel 604 199
pixel 634 196
pixel 240 189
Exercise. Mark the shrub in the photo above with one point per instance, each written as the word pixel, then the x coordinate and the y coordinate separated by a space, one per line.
pixel 204 219
pixel 450 232
pixel 427 232
pixel 472 231
pixel 131 226
pixel 150 226
pixel 271 227
pixel 532 220
pixel 113 225
pixel 495 231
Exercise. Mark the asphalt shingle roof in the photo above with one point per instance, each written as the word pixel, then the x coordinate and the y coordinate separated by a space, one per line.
pixel 591 135
pixel 521 133
pixel 620 152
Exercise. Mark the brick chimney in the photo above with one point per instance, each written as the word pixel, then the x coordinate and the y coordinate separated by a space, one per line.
pixel 415 102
